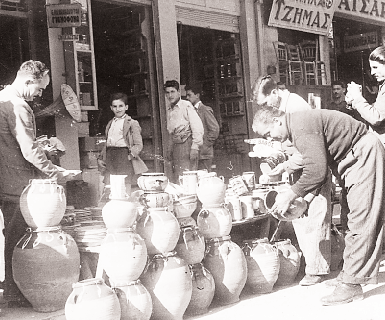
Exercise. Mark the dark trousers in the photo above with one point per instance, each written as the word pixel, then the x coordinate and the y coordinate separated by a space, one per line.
pixel 205 164
pixel 181 159
pixel 14 228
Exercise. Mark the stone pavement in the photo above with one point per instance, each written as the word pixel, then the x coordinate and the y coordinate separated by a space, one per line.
pixel 284 303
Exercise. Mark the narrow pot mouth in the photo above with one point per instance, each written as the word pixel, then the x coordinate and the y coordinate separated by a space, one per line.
pixel 270 199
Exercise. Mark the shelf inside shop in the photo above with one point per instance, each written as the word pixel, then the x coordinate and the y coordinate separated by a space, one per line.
pixel 250 220
pixel 231 95
pixel 131 75
pixel 131 31
pixel 80 49
pixel 241 114
pixel 85 82
pixel 229 58
pixel 229 78
pixel 140 94
pixel 130 53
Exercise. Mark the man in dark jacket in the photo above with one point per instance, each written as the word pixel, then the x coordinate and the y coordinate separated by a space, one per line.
pixel 331 138
pixel 210 124
pixel 21 159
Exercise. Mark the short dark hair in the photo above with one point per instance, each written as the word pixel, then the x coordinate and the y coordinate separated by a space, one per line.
pixel 171 83
pixel 378 55
pixel 263 86
pixel 119 96
pixel 264 114
pixel 339 83
pixel 194 87
pixel 33 68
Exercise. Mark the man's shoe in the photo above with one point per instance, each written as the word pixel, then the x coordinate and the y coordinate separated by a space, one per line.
pixel 343 293
pixel 332 282
pixel 310 280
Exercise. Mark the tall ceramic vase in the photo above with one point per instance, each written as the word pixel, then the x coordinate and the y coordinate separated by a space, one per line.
pixel 214 221
pixel 289 262
pixel 45 264
pixel 135 301
pixel 168 280
pixel 227 264
pixel 191 245
pixel 43 203
pixel 262 264
pixel 124 255
pixel 91 299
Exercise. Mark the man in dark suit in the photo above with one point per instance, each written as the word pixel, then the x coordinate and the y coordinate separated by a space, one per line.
pixel 210 124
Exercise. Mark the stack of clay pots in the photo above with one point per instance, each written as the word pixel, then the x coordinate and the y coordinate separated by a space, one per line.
pixel 46 260
pixel 166 276
pixel 224 259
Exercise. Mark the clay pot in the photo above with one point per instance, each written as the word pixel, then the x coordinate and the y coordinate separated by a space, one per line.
pixel 168 280
pixel 227 264
pixel 214 221
pixel 259 195
pixel 135 301
pixel 203 289
pixel 189 182
pixel 183 210
pixel 296 209
pixel 119 213
pixel 289 262
pixel 159 229
pixel 211 189
pixel 155 199
pixel 262 265
pixel 152 181
pixel 91 299
pixel 43 203
pixel 191 245
pixel 45 264
pixel 187 222
pixel 124 255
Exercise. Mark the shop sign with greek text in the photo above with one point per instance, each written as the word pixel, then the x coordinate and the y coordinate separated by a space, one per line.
pixel 360 42
pixel 64 15
pixel 312 16
pixel 369 11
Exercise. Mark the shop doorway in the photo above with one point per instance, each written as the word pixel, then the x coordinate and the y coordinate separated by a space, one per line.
pixel 353 43
pixel 213 59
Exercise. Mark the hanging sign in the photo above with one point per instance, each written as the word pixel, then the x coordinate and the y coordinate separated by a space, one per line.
pixel 312 16
pixel 362 10
pixel 64 15
pixel 360 42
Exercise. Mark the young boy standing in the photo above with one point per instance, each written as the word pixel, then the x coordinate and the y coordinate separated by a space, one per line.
pixel 120 156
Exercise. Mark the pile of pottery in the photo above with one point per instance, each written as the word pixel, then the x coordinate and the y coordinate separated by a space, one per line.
pixel 46 260
pixel 224 259
pixel 166 276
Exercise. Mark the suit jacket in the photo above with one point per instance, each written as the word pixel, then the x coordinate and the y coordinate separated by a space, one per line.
pixel 133 138
pixel 21 158
pixel 211 131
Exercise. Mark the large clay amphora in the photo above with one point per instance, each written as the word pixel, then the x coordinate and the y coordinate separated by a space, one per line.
pixel 124 255
pixel 119 213
pixel 45 263
pixel 262 263
pixel 135 301
pixel 337 248
pixel 227 264
pixel 43 203
pixel 168 280
pixel 203 289
pixel 91 299
pixel 214 221
pixel 159 229
pixel 211 189
pixel 152 181
pixel 191 245
pixel 289 262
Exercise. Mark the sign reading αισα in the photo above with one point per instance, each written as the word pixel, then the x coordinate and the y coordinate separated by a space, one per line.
pixel 64 15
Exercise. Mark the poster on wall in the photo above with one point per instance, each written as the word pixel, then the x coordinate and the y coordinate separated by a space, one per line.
pixel 312 16
pixel 64 15
pixel 359 42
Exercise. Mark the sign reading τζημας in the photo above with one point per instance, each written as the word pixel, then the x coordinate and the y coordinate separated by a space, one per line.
pixel 312 16
pixel 64 15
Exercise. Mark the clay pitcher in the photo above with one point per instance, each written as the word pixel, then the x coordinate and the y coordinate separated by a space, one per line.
pixel 191 245
pixel 214 221
pixel 135 301
pixel 168 280
pixel 203 289
pixel 153 181
pixel 159 229
pixel 124 255
pixel 262 264
pixel 289 262
pixel 91 299
pixel 119 213
pixel 227 264
pixel 46 262
pixel 211 189
pixel 43 203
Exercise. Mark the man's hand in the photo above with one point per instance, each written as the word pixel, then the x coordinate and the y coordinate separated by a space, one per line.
pixel 282 203
pixel 354 91
pixel 194 154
